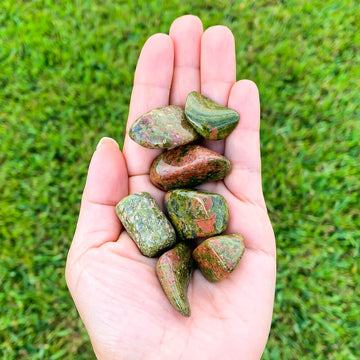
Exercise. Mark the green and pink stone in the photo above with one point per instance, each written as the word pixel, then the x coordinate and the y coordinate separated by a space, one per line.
pixel 218 256
pixel 165 128
pixel 211 120
pixel 188 166
pixel 174 269
pixel 146 224
pixel 196 214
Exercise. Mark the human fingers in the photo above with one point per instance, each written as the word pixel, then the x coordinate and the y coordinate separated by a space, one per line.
pixel 152 82
pixel 242 146
pixel 185 32
pixel 106 185
pixel 218 69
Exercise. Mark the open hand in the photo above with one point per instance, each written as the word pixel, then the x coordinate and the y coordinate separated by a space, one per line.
pixel 115 288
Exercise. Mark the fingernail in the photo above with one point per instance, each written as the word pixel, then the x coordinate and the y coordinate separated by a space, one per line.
pixel 106 140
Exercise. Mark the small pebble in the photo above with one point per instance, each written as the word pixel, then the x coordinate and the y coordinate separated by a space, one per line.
pixel 211 120
pixel 174 269
pixel 196 213
pixel 146 224
pixel 188 166
pixel 218 256
pixel 165 127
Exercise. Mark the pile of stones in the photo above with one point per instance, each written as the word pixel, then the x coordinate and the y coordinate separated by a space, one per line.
pixel 190 214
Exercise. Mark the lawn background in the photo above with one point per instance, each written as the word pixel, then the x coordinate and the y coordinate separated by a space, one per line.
pixel 66 71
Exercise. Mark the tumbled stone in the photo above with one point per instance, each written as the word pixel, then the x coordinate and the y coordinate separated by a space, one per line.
pixel 146 224
pixel 174 269
pixel 188 166
pixel 196 213
pixel 165 127
pixel 218 256
pixel 211 120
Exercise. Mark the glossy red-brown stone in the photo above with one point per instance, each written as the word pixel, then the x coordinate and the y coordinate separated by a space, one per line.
pixel 188 166
pixel 218 256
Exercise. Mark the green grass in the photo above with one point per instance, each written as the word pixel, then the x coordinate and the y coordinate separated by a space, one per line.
pixel 65 81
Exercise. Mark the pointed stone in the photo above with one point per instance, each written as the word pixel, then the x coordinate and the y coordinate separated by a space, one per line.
pixel 218 256
pixel 165 128
pixel 174 269
pixel 146 224
pixel 211 120
pixel 188 166
pixel 196 213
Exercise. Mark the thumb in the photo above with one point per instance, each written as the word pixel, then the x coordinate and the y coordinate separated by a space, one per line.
pixel 106 185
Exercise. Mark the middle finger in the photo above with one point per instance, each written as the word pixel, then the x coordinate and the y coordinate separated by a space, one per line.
pixel 186 32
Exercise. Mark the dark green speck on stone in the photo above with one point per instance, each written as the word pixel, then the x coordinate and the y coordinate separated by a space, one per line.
pixel 211 120
pixel 146 224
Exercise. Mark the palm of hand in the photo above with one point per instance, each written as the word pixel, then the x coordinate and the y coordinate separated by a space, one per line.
pixel 114 287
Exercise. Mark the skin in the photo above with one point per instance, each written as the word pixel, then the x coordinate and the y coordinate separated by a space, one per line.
pixel 114 287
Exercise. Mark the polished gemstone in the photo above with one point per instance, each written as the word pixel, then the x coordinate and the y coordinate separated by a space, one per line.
pixel 196 213
pixel 218 256
pixel 146 224
pixel 165 127
pixel 188 166
pixel 174 269
pixel 211 120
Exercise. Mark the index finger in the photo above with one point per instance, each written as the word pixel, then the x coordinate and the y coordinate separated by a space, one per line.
pixel 152 82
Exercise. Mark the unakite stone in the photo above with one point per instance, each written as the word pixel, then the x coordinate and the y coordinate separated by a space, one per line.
pixel 188 166
pixel 146 224
pixel 196 213
pixel 211 120
pixel 218 256
pixel 165 127
pixel 174 269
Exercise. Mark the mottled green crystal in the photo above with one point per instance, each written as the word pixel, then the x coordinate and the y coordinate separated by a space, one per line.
pixel 196 213
pixel 174 269
pixel 211 120
pixel 165 128
pixel 146 224
pixel 218 256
